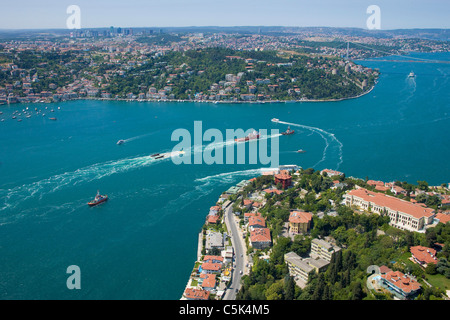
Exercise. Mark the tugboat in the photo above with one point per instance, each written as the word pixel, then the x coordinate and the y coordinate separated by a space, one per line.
pixel 98 199
pixel 288 131
pixel 252 136
pixel 121 141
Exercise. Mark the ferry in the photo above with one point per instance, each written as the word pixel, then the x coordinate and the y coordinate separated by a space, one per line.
pixel 275 120
pixel 121 141
pixel 98 199
pixel 288 131
pixel 252 136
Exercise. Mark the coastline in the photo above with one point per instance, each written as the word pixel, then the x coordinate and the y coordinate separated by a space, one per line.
pixel 199 101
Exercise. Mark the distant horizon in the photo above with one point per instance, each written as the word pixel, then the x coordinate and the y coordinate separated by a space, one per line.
pixel 53 14
pixel 219 26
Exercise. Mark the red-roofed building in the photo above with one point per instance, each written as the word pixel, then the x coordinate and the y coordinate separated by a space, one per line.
pixel 374 183
pixel 423 255
pixel 208 267
pixel 213 259
pixel 384 269
pixel 442 217
pixel 209 282
pixel 196 294
pixel 212 219
pixel 260 238
pixel 403 214
pixel 400 283
pixel 299 221
pixel 271 191
pixel 256 222
pixel 284 179
pixel 248 215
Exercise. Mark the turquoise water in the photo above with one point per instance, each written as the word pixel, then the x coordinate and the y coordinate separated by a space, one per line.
pixel 142 243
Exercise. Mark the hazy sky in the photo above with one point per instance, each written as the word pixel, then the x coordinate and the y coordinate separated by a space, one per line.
pixel 395 14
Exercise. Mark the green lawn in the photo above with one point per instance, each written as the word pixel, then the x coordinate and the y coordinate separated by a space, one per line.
pixel 438 280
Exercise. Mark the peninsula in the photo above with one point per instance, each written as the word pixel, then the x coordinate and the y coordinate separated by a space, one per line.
pixel 296 234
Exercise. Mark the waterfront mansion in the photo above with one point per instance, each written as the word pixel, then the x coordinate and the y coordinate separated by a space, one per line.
pixel 403 214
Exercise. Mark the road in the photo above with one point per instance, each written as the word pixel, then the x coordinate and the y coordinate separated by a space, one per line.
pixel 239 251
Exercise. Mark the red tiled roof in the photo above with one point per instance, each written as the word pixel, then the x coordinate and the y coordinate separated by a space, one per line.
pixel 282 176
pixel 399 280
pixel 300 217
pixel 392 203
pixel 384 269
pixel 210 281
pixel 424 254
pixel 211 266
pixel 197 294
pixel 444 218
pixel 214 258
pixel 213 219
pixel 256 221
pixel 375 183
pixel 260 235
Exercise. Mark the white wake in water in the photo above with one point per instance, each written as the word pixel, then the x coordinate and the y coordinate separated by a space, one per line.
pixel 329 139
pixel 12 197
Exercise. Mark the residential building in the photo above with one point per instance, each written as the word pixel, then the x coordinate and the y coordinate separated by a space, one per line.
pixel 323 249
pixel 196 294
pixel 209 282
pixel 423 255
pixel 297 266
pixel 400 283
pixel 299 222
pixel 256 221
pixel 260 238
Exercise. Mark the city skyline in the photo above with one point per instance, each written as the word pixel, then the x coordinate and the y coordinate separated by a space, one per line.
pixel 51 14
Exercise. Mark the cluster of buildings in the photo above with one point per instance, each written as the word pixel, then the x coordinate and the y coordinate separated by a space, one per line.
pixel 320 257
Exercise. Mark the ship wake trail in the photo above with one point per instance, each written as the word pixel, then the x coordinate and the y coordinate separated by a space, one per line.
pixel 13 197
pixel 329 138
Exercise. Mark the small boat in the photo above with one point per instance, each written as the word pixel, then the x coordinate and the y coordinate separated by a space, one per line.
pixel 288 131
pixel 275 120
pixel 52 119
pixel 155 155
pixel 301 151
pixel 121 142
pixel 411 75
pixel 159 157
pixel 98 199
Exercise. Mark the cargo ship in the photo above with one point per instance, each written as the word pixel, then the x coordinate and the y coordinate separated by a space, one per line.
pixel 252 136
pixel 98 199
